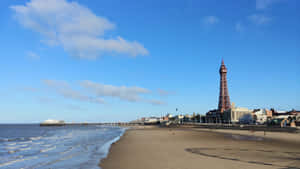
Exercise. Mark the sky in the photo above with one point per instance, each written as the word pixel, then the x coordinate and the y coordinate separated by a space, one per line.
pixel 115 60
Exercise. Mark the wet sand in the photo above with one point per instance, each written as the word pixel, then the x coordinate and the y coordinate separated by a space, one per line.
pixel 188 148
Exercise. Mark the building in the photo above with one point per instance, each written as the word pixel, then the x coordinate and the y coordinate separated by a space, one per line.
pixel 51 122
pixel 237 115
pixel 151 120
pixel 213 116
pixel 261 115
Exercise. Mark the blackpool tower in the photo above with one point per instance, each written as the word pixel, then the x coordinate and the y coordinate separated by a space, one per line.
pixel 224 101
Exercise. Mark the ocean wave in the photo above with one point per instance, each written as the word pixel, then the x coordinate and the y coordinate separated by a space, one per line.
pixel 15 161
pixel 12 139
pixel 105 148
pixel 47 149
pixel 24 149
pixel 14 147
pixel 35 138
pixel 25 142
pixel 3 139
pixel 37 143
pixel 57 146
pixel 11 144
pixel 47 145
pixel 67 151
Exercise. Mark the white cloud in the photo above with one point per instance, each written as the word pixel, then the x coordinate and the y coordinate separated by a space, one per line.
pixel 210 20
pixel 156 102
pixel 33 55
pixel 64 89
pixel 259 19
pixel 74 107
pixel 131 94
pixel 263 4
pixel 162 92
pixel 74 27
pixel 95 92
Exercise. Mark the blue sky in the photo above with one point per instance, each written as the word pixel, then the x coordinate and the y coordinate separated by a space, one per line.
pixel 113 60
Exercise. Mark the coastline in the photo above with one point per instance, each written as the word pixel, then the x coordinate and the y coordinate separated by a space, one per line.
pixel 110 144
pixel 178 148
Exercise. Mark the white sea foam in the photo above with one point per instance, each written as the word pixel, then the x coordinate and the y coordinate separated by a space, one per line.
pixel 25 142
pixel 13 147
pixel 56 146
pixel 15 161
pixel 23 145
pixel 35 138
pixel 68 150
pixel 11 144
pixel 16 147
pixel 47 149
pixel 38 143
pixel 47 145
pixel 24 149
pixel 105 148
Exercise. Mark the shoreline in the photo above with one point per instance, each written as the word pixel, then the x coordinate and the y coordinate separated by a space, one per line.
pixel 185 147
pixel 111 143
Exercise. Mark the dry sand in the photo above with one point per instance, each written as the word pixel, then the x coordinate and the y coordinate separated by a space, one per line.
pixel 188 148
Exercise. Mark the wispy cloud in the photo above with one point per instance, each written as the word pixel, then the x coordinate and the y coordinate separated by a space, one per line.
pixel 74 27
pixel 96 92
pixel 33 55
pixel 74 107
pixel 263 4
pixel 156 102
pixel 210 20
pixel 65 90
pixel 259 19
pixel 131 94
pixel 162 92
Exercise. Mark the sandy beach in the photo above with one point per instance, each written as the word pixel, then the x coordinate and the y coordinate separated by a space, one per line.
pixel 190 148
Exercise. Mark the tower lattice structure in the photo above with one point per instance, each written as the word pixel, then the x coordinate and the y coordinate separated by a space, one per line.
pixel 224 101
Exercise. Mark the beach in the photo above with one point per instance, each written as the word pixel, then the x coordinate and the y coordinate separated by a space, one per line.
pixel 194 148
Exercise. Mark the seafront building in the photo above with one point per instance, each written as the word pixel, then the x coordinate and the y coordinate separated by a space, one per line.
pixel 226 113
pixel 237 114
pixel 261 115
pixel 229 113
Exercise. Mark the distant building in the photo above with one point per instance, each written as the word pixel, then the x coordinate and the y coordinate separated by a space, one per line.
pixel 261 115
pixel 152 120
pixel 213 116
pixel 237 114
pixel 51 122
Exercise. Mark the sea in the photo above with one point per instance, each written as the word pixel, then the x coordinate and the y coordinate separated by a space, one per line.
pixel 31 146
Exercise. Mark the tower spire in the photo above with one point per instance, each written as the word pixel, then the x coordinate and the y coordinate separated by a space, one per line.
pixel 224 101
